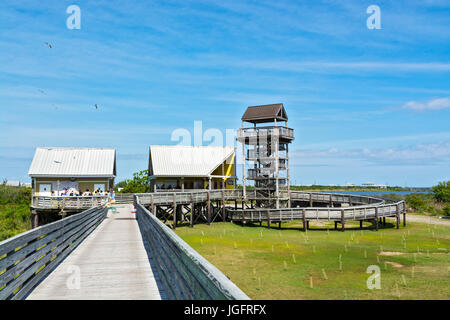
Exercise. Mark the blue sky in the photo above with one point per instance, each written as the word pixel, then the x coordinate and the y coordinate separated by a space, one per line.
pixel 366 105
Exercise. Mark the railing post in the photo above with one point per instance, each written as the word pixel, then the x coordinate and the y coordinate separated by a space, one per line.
pixel 310 200
pixel 343 220
pixel 152 203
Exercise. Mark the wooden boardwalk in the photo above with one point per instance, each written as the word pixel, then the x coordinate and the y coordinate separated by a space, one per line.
pixel 111 262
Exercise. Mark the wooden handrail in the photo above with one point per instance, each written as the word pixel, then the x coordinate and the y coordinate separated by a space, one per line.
pixel 29 257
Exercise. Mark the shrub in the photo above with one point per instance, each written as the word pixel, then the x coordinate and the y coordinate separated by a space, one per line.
pixel 14 195
pixel 416 202
pixel 441 192
pixel 14 219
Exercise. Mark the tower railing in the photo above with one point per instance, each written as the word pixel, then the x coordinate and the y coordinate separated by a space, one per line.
pixel 254 132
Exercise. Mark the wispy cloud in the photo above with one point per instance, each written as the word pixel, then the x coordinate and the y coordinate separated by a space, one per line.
pixel 419 154
pixel 434 104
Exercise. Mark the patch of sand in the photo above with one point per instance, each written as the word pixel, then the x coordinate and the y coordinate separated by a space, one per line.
pixel 391 253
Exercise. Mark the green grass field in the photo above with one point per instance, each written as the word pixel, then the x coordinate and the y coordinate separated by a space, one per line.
pixel 320 264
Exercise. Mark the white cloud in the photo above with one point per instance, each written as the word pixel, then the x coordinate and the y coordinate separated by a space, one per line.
pixel 420 154
pixel 434 104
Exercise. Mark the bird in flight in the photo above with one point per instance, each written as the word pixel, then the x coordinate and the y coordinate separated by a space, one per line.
pixel 96 106
pixel 42 91
pixel 49 45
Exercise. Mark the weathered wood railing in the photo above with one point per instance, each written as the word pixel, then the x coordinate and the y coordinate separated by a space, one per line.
pixel 366 212
pixel 124 198
pixel 184 273
pixel 333 206
pixel 28 257
pixel 161 198
pixel 67 202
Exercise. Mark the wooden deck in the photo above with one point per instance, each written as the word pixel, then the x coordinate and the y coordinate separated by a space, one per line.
pixel 113 264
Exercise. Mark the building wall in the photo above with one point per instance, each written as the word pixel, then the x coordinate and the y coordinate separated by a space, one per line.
pixel 229 170
pixel 83 183
pixel 200 182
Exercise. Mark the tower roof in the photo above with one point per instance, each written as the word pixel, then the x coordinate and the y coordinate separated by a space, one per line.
pixel 265 113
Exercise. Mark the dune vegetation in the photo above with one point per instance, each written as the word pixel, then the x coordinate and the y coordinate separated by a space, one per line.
pixel 14 210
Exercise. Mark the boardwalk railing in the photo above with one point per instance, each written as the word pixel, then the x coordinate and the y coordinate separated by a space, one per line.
pixel 161 198
pixel 124 198
pixel 184 273
pixel 166 198
pixel 81 202
pixel 28 257
pixel 319 206
pixel 367 212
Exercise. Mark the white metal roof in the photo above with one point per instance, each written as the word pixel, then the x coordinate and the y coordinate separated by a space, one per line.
pixel 73 162
pixel 187 161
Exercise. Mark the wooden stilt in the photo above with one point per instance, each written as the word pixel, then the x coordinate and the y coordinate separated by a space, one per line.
pixel 174 212
pixel 376 218
pixel 360 224
pixel 304 220
pixel 208 204
pixel 404 216
pixel 191 222
pixel 397 217
pixel 343 220
pixel 224 209
pixel 34 219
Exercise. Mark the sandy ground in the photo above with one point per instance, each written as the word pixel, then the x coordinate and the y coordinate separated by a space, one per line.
pixel 429 220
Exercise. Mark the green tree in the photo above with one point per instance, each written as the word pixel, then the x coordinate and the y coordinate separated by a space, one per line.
pixel 441 192
pixel 139 184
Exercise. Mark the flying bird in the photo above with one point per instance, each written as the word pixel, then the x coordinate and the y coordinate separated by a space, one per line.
pixel 42 91
pixel 49 45
pixel 96 106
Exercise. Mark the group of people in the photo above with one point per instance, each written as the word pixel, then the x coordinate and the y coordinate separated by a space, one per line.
pixel 75 193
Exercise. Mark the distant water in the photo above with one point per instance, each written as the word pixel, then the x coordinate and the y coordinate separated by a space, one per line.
pixel 377 193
